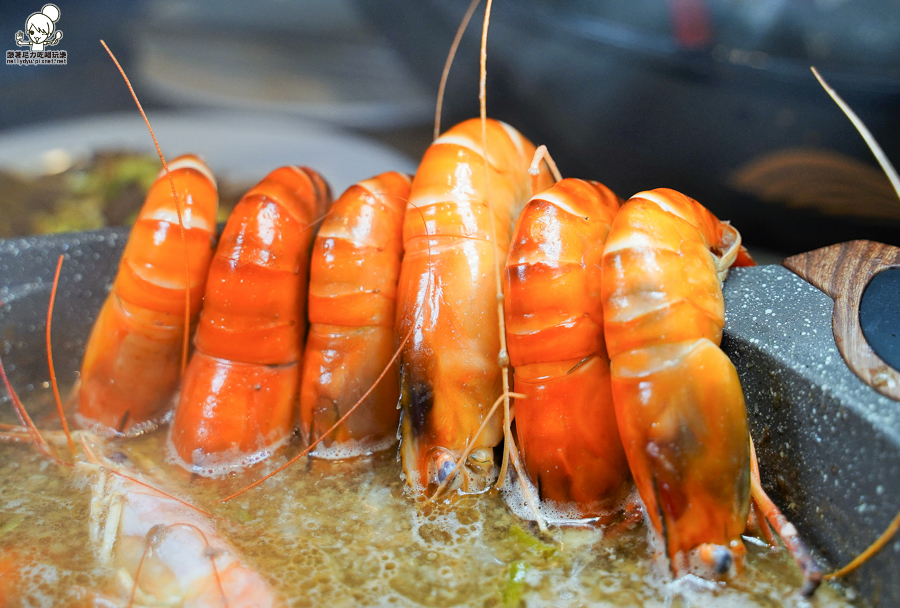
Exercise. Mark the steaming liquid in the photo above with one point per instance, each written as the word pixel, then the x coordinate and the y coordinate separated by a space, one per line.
pixel 346 533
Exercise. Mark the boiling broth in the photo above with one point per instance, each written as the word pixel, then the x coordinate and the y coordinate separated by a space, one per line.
pixel 346 533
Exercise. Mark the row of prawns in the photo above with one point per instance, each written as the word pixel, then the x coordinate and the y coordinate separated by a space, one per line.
pixel 613 313
pixel 238 398
pixel 613 317
pixel 374 265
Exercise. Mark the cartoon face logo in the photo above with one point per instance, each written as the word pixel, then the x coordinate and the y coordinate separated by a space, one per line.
pixel 40 27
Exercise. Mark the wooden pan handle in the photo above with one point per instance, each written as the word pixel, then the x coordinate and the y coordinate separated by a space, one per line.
pixel 842 271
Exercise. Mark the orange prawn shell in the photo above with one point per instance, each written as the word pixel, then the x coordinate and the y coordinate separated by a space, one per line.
pixel 566 427
pixel 660 280
pixel 553 260
pixel 684 426
pixel 678 399
pixel 264 246
pixel 154 276
pixel 352 308
pixel 10 578
pixel 131 369
pixel 450 375
pixel 356 257
pixel 242 384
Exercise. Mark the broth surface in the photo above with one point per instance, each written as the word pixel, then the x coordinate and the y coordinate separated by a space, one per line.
pixel 346 533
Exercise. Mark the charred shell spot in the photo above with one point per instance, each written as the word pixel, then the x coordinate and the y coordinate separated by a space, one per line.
pixel 421 399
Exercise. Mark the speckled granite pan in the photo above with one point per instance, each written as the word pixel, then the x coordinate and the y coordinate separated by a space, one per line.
pixel 829 446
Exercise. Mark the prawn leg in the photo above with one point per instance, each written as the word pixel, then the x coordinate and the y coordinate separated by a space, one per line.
pixel 812 574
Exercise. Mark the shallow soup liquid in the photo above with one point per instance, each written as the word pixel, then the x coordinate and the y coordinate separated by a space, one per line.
pixel 346 533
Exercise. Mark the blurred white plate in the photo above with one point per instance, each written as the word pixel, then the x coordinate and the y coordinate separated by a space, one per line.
pixel 316 59
pixel 243 147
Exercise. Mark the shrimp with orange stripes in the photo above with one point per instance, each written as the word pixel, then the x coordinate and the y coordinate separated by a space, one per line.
pixel 678 400
pixel 566 424
pixel 449 369
pixel 352 308
pixel 160 550
pixel 153 548
pixel 240 391
pixel 163 550
pixel 130 373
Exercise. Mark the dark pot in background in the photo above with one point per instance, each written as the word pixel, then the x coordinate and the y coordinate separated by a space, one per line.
pixel 711 98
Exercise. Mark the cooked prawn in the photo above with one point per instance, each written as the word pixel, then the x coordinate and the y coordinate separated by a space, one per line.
pixel 678 400
pixel 566 427
pixel 130 372
pixel 449 372
pixel 163 551
pixel 352 308
pixel 240 392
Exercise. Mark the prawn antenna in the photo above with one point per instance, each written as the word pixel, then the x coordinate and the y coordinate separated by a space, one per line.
pixel 879 154
pixel 503 356
pixel 450 56
pixel 514 454
pixel 334 427
pixel 26 421
pixel 137 573
pixel 59 406
pixel 871 550
pixel 187 265
pixel 891 173
pixel 211 554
